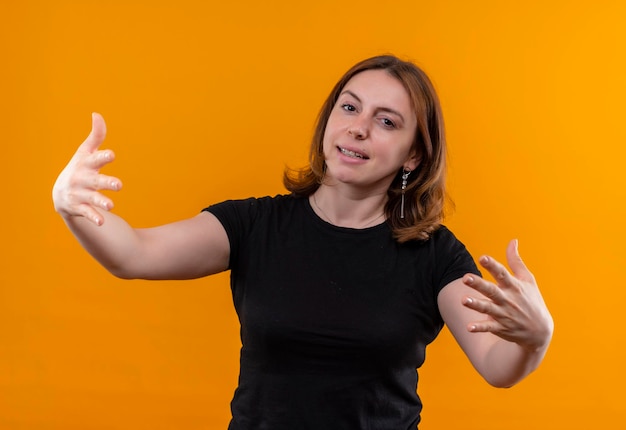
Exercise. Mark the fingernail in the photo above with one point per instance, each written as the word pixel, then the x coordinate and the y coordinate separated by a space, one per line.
pixel 484 259
pixel 469 301
pixel 470 279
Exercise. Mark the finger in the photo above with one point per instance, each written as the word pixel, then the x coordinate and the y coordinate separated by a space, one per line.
pixel 484 287
pixel 497 270
pixel 94 199
pixel 515 261
pixel 103 182
pixel 91 214
pixel 483 326
pixel 97 134
pixel 483 306
pixel 92 180
pixel 99 159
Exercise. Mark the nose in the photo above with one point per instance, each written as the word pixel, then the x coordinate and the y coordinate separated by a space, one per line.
pixel 358 129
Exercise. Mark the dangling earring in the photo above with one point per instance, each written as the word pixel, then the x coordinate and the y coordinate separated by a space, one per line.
pixel 405 176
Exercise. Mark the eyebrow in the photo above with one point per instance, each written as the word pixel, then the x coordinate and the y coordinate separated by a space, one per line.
pixel 382 108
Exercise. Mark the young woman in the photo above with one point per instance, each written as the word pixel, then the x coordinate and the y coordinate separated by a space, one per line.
pixel 341 284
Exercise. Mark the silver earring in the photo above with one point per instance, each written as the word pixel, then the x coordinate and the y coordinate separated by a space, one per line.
pixel 405 177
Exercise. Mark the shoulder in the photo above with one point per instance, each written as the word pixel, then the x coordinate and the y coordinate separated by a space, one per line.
pixel 449 248
pixel 441 242
pixel 445 241
pixel 440 251
pixel 447 256
pixel 241 214
pixel 252 204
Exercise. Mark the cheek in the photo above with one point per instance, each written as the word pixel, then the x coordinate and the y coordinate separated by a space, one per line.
pixel 330 133
pixel 325 141
pixel 402 150
pixel 407 144
pixel 331 125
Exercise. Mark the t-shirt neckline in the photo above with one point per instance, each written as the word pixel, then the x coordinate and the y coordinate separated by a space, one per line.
pixel 349 230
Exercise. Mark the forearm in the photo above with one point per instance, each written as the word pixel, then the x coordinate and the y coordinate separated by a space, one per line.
pixel 504 329
pixel 114 244
pixel 507 363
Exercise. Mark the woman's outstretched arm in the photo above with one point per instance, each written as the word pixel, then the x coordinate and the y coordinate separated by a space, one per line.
pixel 185 249
pixel 503 327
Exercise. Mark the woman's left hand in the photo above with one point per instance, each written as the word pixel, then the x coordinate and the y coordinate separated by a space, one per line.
pixel 513 305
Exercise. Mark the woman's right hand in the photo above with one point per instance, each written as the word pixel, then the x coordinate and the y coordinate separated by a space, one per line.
pixel 76 191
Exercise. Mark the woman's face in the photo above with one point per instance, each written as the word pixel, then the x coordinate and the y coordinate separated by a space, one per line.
pixel 370 133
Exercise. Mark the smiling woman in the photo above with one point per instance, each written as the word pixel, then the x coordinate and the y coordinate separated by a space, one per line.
pixel 366 140
pixel 340 285
pixel 395 103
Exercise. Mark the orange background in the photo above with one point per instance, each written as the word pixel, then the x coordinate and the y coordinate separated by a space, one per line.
pixel 209 100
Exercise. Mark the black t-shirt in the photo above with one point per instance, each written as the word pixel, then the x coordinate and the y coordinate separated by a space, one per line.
pixel 334 321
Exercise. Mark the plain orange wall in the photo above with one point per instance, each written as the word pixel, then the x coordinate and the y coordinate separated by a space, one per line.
pixel 209 100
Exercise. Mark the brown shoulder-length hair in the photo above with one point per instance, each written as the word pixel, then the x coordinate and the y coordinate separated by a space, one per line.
pixel 425 194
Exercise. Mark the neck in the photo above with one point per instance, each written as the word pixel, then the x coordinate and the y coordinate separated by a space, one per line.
pixel 352 211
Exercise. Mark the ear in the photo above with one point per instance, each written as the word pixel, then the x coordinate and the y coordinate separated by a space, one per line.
pixel 413 161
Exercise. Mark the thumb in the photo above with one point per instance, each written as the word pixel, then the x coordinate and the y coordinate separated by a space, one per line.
pixel 515 261
pixel 97 134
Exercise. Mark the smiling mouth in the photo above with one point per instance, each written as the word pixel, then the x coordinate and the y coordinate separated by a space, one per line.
pixel 352 154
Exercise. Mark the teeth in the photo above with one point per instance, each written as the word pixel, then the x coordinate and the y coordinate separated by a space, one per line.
pixel 350 153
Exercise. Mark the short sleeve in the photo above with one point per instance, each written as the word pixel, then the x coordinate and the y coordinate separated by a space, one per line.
pixel 237 217
pixel 452 259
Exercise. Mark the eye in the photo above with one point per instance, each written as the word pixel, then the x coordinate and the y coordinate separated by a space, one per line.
pixel 388 123
pixel 348 107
